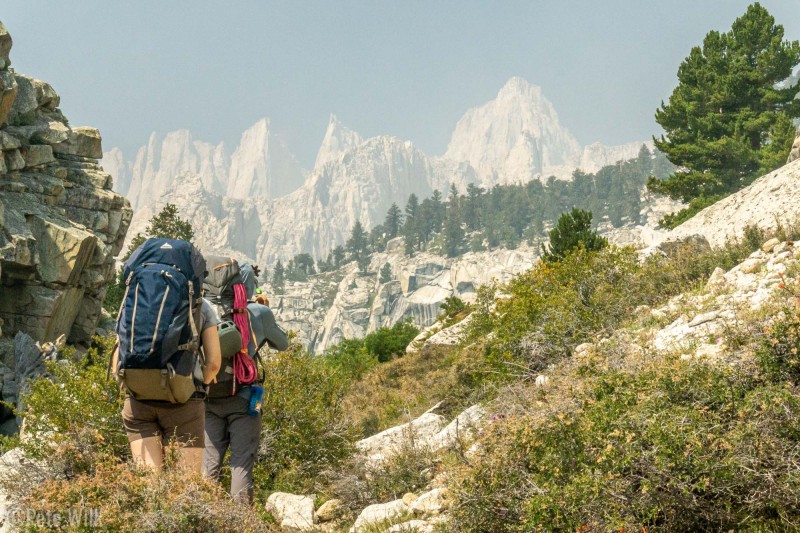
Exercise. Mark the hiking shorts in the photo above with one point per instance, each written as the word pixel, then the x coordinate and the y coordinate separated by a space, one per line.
pixel 183 423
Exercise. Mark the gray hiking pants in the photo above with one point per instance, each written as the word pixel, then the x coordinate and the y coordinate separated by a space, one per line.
pixel 228 424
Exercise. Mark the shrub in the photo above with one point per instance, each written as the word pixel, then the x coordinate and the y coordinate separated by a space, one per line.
pixel 452 306
pixel 386 343
pixel 393 392
pixel 679 446
pixel 360 483
pixel 304 430
pixel 75 410
pixel 350 357
pixel 554 307
pixel 120 497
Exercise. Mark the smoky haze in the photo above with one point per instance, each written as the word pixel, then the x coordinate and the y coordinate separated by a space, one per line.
pixel 409 69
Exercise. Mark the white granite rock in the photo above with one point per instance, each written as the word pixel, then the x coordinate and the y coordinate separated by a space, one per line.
pixel 420 432
pixel 292 512
pixel 380 514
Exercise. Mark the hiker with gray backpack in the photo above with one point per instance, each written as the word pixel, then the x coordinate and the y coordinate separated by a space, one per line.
pixel 168 351
pixel 233 407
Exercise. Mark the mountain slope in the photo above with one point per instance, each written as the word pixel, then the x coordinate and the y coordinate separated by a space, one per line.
pixel 766 203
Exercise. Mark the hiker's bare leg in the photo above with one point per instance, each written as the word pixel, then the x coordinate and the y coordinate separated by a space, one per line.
pixel 190 459
pixel 147 452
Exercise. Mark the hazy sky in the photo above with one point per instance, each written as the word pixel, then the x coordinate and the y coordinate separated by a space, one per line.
pixel 409 68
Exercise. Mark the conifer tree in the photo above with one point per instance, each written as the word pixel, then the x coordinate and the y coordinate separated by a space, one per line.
pixel 472 207
pixel 573 230
pixel 386 273
pixel 357 243
pixel 278 278
pixel 729 120
pixel 410 229
pixel 338 254
pixel 393 222
pixel 453 232
pixel 437 212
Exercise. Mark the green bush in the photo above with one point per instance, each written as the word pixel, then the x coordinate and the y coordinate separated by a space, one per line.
pixel 573 230
pixel 73 412
pixel 452 306
pixel 350 357
pixel 554 307
pixel 386 343
pixel 304 430
pixel 679 446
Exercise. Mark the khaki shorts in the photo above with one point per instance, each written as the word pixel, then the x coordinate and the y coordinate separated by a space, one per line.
pixel 183 423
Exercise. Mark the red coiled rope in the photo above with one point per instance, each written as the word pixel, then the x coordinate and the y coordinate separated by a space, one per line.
pixel 244 369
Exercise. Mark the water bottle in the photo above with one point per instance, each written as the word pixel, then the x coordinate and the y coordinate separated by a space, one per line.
pixel 256 397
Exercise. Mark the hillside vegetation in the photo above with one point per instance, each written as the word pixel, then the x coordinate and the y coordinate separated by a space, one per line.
pixel 624 435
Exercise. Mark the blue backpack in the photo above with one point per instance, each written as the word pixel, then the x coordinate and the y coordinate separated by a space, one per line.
pixel 157 322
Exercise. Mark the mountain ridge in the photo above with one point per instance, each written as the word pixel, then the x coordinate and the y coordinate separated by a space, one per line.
pixel 353 178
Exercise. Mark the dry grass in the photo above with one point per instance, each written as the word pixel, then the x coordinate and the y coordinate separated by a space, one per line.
pixel 404 388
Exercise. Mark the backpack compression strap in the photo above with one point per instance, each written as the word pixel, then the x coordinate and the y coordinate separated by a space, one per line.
pixel 194 342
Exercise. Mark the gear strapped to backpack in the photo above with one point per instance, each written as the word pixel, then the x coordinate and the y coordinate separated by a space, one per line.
pixel 224 288
pixel 159 356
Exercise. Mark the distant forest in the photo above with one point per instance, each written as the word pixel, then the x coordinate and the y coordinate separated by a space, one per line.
pixel 502 216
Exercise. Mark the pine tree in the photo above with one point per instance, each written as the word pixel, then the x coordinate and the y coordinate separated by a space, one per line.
pixel 338 254
pixel 357 246
pixel 573 230
pixel 453 232
pixel 278 278
pixel 377 238
pixel 410 227
pixel 729 120
pixel 472 207
pixel 393 222
pixel 386 273
pixel 165 224
pixel 436 210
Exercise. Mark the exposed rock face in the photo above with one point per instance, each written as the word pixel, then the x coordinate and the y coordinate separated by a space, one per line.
pixel 379 515
pixel 160 165
pixel 61 225
pixel 262 165
pixel 765 203
pixel 115 164
pixel 513 139
pixel 596 155
pixel 357 304
pixel 338 140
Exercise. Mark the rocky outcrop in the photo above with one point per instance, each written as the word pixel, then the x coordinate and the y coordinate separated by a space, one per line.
pixel 61 225
pixel 416 433
pixel 514 138
pixel 356 304
pixel 262 166
pixel 766 203
pixel 380 515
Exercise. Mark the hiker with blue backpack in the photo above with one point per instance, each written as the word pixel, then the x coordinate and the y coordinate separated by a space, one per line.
pixel 168 351
pixel 233 407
